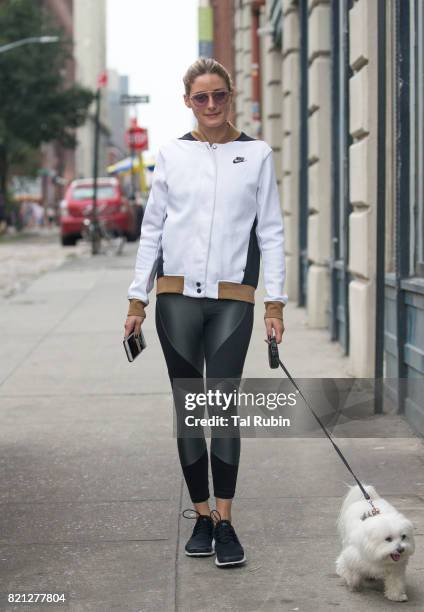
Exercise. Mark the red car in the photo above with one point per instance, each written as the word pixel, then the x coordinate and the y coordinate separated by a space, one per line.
pixel 113 207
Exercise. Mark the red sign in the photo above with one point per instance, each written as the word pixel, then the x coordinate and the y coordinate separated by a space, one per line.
pixel 137 138
pixel 102 79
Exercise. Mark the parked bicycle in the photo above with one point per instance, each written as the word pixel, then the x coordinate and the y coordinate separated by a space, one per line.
pixel 103 235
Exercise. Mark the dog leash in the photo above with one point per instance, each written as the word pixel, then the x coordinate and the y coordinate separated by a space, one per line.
pixel 274 362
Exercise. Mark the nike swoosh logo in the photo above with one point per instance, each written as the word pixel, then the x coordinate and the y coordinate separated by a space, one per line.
pixel 238 160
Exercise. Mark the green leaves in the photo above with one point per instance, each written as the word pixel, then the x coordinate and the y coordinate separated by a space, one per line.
pixel 35 105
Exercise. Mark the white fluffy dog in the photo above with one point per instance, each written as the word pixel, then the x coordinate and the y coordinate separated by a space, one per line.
pixel 376 546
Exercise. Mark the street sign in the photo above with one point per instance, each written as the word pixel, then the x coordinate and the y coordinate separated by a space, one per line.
pixel 126 99
pixel 137 138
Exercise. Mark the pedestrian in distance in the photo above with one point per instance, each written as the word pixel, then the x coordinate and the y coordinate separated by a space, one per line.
pixel 213 213
pixel 3 218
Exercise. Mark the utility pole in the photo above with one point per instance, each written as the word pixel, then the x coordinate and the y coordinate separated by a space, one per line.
pixel 136 138
pixel 95 233
pixel 95 242
pixel 132 153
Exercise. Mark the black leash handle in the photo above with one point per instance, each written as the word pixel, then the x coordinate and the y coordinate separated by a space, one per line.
pixel 274 362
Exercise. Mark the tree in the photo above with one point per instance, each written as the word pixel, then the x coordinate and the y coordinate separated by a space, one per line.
pixel 35 107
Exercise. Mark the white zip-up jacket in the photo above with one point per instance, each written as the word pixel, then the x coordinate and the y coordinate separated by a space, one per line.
pixel 212 211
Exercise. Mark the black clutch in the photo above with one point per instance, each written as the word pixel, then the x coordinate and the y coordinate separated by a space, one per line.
pixel 134 345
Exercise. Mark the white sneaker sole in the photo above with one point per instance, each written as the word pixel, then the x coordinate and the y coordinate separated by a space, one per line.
pixel 218 564
pixel 227 563
pixel 206 554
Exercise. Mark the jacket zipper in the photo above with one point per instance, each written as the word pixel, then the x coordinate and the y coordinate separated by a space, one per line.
pixel 211 148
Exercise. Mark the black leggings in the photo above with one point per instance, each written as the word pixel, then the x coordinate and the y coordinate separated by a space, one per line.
pixel 193 331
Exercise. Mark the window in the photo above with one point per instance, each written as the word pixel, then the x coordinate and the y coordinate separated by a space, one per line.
pixel 276 19
pixel 104 192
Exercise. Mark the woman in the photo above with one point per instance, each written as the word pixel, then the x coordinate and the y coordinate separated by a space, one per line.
pixel 213 210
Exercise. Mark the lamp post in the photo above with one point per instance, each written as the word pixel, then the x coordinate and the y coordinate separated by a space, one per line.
pixel 42 40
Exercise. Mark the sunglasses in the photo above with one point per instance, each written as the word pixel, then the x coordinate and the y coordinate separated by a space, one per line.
pixel 219 97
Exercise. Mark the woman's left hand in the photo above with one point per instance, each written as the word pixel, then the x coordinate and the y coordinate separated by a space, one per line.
pixel 274 324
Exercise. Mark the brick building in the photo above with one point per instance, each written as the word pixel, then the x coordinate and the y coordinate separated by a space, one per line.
pixel 216 33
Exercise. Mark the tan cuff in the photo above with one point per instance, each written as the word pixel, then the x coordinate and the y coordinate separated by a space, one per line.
pixel 136 308
pixel 274 310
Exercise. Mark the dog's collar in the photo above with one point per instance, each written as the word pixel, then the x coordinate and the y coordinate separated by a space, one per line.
pixel 370 513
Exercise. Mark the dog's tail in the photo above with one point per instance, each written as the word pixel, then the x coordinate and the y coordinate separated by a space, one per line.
pixel 355 494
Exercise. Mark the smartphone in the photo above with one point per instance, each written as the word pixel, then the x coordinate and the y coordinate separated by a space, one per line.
pixel 134 345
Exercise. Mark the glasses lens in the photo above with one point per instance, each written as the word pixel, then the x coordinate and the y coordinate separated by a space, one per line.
pixel 200 99
pixel 220 97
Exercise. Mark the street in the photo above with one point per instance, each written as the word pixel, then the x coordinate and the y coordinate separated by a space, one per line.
pixel 91 489
pixel 22 259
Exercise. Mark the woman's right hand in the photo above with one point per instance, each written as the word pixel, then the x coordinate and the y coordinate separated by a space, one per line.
pixel 133 323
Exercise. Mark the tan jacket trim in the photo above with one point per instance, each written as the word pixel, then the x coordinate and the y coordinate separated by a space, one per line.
pixel 227 290
pixel 274 310
pixel 236 291
pixel 232 134
pixel 170 284
pixel 136 308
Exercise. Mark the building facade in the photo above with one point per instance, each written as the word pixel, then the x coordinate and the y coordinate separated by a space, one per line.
pixel 216 33
pixel 90 62
pixel 341 103
pixel 118 114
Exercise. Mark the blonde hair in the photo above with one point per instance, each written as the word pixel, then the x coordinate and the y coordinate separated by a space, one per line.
pixel 205 65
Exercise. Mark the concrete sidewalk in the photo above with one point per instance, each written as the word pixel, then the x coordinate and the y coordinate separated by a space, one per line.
pixel 91 489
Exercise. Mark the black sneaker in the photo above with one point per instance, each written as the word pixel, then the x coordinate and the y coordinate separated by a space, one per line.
pixel 228 549
pixel 200 544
